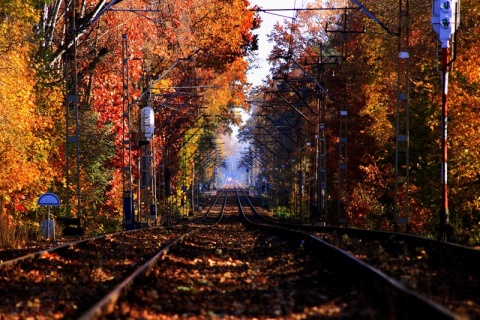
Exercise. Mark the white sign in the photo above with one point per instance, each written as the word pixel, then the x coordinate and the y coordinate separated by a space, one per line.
pixel 148 122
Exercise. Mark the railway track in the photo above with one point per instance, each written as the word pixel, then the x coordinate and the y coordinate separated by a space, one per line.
pixel 64 281
pixel 442 272
pixel 223 264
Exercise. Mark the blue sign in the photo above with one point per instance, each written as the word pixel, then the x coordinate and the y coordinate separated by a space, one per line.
pixel 48 200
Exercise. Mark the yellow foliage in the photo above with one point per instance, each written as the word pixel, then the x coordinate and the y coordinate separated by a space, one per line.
pixel 162 86
pixel 227 90
pixel 23 165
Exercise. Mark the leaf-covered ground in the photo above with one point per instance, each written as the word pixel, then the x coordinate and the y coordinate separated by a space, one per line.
pixel 438 274
pixel 234 273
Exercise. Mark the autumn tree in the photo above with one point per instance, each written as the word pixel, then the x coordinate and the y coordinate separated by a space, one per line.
pixel 210 38
pixel 207 39
pixel 425 108
pixel 364 77
pixel 25 127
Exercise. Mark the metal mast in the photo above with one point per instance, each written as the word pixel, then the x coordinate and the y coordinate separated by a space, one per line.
pixel 343 132
pixel 127 180
pixel 343 124
pixel 322 151
pixel 402 121
pixel 72 145
pixel 321 197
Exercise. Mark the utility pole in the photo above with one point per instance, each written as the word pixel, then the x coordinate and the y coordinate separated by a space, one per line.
pixel 72 143
pixel 402 163
pixel 127 179
pixel 343 124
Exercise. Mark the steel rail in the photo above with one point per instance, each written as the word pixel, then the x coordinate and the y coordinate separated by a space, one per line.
pixel 107 304
pixel 403 302
pixel 467 254
pixel 42 253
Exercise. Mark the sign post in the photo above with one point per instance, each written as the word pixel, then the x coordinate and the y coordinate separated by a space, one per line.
pixel 49 200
